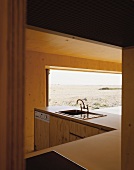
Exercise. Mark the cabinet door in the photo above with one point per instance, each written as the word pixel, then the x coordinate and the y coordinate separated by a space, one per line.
pixel 73 137
pixel 41 134
pixel 59 131
pixel 79 131
pixel 91 131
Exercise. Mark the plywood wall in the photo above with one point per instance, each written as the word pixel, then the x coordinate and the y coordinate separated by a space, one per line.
pixel 128 110
pixel 35 82
pixel 63 44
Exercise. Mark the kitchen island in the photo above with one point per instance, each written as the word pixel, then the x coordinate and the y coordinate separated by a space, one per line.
pixel 99 152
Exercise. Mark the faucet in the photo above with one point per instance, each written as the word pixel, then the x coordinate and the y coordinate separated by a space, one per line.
pixel 82 107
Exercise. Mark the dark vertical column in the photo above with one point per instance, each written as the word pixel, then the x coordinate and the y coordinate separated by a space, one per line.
pixel 12 58
pixel 128 109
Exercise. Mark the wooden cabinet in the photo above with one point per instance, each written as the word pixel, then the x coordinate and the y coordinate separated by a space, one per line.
pixel 41 134
pixel 79 131
pixel 73 137
pixel 63 131
pixel 59 131
pixel 51 131
pixel 102 130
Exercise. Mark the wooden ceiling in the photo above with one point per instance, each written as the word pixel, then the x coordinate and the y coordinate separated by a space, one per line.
pixel 107 21
pixel 48 42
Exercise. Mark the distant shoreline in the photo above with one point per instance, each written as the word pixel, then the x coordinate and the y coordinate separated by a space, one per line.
pixel 96 96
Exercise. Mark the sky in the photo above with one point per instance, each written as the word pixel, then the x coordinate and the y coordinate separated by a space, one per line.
pixel 63 77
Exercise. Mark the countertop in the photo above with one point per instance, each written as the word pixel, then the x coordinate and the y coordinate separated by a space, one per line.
pixel 99 152
pixel 111 121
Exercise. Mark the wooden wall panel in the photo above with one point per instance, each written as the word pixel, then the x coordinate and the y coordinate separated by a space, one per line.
pixel 35 77
pixel 34 96
pixel 45 41
pixel 74 62
pixel 12 56
pixel 128 110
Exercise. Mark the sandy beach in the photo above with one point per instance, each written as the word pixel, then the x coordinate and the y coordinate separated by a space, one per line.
pixel 95 96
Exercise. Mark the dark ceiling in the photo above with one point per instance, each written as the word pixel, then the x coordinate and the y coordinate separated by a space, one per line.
pixel 107 21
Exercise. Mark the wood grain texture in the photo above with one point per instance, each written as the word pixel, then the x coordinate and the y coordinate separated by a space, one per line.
pixel 102 131
pixel 73 137
pixel 78 129
pixel 94 131
pixel 41 134
pixel 81 130
pixel 34 96
pixel 41 41
pixel 128 110
pixel 59 131
pixel 12 55
pixel 3 83
pixel 35 78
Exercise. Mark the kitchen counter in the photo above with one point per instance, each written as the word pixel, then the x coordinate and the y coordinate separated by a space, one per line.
pixel 99 152
pixel 109 122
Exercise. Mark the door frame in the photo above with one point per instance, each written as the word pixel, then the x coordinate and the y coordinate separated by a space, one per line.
pixel 12 70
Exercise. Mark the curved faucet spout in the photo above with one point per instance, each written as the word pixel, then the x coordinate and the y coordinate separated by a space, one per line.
pixel 82 103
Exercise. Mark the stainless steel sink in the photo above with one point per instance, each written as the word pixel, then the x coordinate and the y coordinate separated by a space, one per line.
pixel 81 114
pixel 73 112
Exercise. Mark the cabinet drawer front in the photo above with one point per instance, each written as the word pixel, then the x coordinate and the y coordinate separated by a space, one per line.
pixel 74 137
pixel 78 129
pixel 82 130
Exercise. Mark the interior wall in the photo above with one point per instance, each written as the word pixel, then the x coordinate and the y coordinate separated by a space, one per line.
pixel 128 110
pixel 46 41
pixel 35 82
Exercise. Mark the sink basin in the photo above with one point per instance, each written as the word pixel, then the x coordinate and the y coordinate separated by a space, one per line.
pixel 81 114
pixel 73 112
